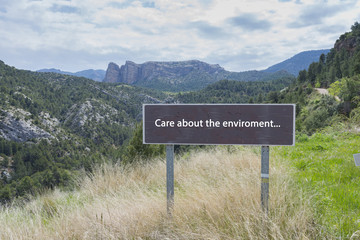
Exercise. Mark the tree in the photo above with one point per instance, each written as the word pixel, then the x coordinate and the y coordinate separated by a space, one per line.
pixel 273 97
pixel 322 58
pixel 302 76
pixel 137 149
pixel 350 88
pixel 259 98
pixel 25 186
pixel 355 28
pixel 311 73
pixel 2 146
pixel 334 89
pixel 6 194
pixel 7 149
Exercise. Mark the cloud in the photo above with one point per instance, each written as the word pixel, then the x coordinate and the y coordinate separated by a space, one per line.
pixel 241 61
pixel 296 1
pixel 249 21
pixel 330 29
pixel 64 9
pixel 315 14
pixel 207 30
pixel 77 60
pixel 3 5
pixel 127 3
pixel 239 35
pixel 148 4
pixel 121 4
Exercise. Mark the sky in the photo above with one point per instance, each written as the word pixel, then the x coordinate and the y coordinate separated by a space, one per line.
pixel 240 35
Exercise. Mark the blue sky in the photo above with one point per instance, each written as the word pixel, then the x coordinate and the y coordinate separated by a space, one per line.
pixel 240 35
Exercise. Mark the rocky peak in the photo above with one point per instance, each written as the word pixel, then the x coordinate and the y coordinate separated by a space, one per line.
pixel 349 40
pixel 131 72
pixel 349 44
pixel 112 73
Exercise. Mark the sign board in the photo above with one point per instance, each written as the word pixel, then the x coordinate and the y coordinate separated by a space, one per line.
pixel 357 159
pixel 220 124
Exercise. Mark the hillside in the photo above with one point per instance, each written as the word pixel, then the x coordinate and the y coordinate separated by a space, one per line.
pixel 180 76
pixel 67 101
pixel 228 91
pixel 52 125
pixel 298 62
pixel 339 73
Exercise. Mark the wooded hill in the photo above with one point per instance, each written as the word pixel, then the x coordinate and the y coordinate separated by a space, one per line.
pixel 53 125
pixel 227 91
pixel 339 72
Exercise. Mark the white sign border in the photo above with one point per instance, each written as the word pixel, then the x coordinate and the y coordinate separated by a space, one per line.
pixel 219 104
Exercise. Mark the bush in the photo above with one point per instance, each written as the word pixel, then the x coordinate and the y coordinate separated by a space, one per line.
pixel 137 150
pixel 317 114
pixel 355 115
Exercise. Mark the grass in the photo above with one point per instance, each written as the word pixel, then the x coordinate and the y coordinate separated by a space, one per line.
pixel 323 165
pixel 217 196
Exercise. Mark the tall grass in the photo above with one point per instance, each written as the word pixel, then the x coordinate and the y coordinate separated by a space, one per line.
pixel 217 196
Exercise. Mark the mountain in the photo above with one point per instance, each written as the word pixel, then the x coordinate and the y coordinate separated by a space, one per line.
pixel 53 125
pixel 96 75
pixel 54 70
pixel 298 62
pixel 180 76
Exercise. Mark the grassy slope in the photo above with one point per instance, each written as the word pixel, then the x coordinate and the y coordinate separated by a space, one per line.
pixel 217 196
pixel 323 165
pixel 313 195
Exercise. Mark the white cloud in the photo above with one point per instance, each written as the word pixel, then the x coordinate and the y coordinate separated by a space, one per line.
pixel 238 34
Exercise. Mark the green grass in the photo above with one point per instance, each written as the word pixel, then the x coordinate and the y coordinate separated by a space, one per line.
pixel 323 165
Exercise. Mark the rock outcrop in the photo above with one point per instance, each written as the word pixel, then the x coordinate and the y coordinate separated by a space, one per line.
pixel 16 125
pixel 131 72
pixel 112 73
pixel 349 44
pixel 180 76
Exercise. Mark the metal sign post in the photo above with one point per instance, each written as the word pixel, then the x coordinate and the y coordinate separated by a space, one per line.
pixel 357 159
pixel 170 178
pixel 265 178
pixel 219 124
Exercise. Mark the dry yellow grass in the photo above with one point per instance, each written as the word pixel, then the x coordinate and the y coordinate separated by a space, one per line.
pixel 217 196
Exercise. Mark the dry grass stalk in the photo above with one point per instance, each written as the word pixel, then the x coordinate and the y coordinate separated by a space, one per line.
pixel 217 196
